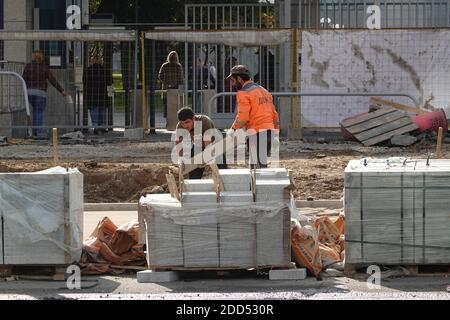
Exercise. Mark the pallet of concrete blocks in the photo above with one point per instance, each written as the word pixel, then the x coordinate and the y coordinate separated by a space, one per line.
pixel 200 233
pixel 397 211
pixel 42 215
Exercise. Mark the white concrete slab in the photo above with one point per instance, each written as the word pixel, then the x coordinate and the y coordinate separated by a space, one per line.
pixel 149 276
pixel 199 185
pixel 199 197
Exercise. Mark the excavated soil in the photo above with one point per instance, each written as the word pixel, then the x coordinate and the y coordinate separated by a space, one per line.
pixel 122 172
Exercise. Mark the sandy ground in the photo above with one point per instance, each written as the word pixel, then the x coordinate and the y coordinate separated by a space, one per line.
pixel 235 286
pixel 121 171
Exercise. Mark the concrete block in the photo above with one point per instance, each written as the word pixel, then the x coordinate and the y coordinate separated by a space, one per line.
pixel 237 239
pixel 235 176
pixel 271 186
pixel 236 197
pixel 199 185
pixel 273 240
pixel 44 201
pixel 148 276
pixel 288 274
pixel 276 196
pixel 201 247
pixel 271 173
pixel 134 134
pixel 199 197
pixel 237 187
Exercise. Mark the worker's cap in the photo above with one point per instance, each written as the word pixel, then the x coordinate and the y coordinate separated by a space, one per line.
pixel 239 69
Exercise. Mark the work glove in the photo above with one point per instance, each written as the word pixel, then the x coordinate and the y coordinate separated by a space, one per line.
pixel 230 133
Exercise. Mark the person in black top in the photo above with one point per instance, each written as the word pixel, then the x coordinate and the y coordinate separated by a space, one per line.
pixel 96 80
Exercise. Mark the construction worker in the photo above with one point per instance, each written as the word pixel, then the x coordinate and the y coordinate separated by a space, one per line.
pixel 256 113
pixel 186 121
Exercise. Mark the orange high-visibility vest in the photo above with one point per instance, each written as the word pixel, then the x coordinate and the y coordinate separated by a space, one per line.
pixel 255 106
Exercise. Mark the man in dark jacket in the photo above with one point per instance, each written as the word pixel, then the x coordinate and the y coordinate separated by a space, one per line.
pixel 96 80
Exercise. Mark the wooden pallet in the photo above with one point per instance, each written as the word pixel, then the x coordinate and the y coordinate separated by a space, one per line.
pixel 204 272
pixel 351 270
pixel 56 272
pixel 378 126
pixel 218 269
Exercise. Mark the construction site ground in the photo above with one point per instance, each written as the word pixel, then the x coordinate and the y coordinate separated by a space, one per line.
pixel 120 171
pixel 116 170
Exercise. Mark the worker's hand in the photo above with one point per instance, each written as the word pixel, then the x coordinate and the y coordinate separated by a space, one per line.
pixel 198 140
pixel 230 133
pixel 64 93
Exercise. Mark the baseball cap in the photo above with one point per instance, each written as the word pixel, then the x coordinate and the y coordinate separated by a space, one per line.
pixel 238 69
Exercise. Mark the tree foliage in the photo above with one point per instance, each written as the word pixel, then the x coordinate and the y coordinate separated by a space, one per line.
pixel 151 11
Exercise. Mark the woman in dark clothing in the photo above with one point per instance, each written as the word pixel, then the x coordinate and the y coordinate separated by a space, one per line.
pixel 36 75
pixel 171 76
pixel 96 80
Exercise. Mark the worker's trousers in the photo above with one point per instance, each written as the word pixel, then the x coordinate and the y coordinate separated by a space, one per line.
pixel 259 148
pixel 38 105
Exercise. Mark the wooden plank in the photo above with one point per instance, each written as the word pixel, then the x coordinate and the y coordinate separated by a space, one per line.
pixel 137 268
pixel 172 186
pixel 363 126
pixel 216 177
pixel 181 185
pixel 397 105
pixel 387 127
pixel 171 191
pixel 249 268
pixel 350 122
pixel 388 135
pixel 55 146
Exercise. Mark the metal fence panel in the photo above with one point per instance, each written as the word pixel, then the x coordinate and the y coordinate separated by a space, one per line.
pixel 91 82
pixel 338 14
pixel 210 63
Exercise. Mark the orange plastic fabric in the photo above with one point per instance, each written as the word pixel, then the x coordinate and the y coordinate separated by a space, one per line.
pixel 109 245
pixel 328 232
pixel 305 249
pixel 316 247
pixel 329 254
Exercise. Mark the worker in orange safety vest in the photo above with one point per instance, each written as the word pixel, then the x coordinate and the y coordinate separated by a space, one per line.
pixel 256 113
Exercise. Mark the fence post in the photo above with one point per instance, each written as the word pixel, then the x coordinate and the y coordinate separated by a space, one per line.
pixel 144 90
pixel 135 76
pixel 294 130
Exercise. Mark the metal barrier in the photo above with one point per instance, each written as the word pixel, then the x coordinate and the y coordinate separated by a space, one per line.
pixel 89 65
pixel 6 106
pixel 24 88
pixel 307 94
